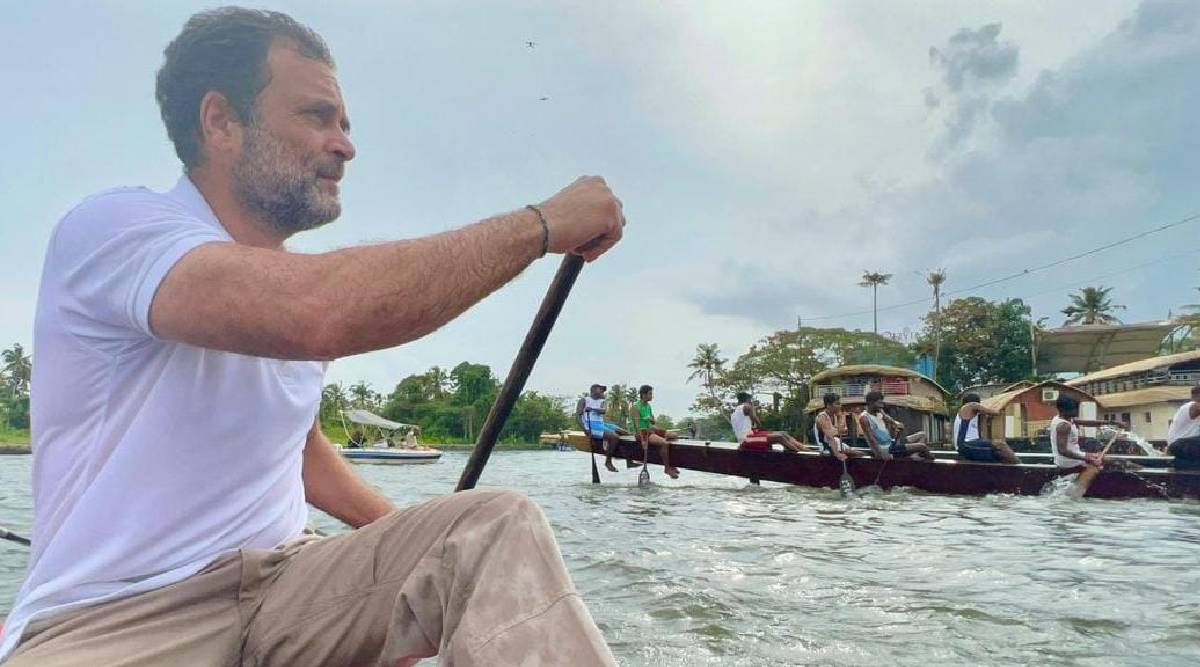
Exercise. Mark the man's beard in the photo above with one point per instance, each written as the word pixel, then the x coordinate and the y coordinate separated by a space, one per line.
pixel 281 187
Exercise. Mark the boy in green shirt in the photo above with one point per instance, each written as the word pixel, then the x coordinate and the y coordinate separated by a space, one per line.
pixel 649 434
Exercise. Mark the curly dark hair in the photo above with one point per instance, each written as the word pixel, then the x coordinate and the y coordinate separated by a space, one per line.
pixel 223 50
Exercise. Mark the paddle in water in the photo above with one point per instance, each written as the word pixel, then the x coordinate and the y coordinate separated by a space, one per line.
pixel 644 475
pixel 1088 475
pixel 846 482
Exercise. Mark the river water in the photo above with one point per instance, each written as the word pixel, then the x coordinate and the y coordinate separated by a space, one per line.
pixel 708 570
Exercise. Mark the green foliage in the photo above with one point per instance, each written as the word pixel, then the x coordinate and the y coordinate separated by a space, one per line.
pixel 982 342
pixel 449 407
pixel 16 371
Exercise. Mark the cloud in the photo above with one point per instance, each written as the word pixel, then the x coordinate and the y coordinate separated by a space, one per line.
pixel 1095 149
pixel 975 57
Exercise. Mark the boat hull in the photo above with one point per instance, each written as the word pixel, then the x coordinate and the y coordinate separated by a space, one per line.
pixel 943 476
pixel 390 456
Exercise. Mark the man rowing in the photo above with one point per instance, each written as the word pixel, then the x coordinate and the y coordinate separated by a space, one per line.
pixel 750 434
pixel 648 433
pixel 1064 437
pixel 828 433
pixel 589 412
pixel 180 354
pixel 1183 435
pixel 968 439
pixel 882 432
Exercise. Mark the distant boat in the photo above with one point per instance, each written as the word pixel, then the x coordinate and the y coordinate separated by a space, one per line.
pixel 383 449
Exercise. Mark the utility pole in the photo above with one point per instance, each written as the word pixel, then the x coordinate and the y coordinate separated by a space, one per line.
pixel 936 278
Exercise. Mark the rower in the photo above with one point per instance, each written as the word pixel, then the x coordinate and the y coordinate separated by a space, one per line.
pixel 1064 437
pixel 881 432
pixel 1183 436
pixel 589 412
pixel 967 437
pixel 826 432
pixel 750 434
pixel 648 433
pixel 180 323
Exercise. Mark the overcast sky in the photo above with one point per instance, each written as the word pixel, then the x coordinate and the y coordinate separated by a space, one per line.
pixel 766 152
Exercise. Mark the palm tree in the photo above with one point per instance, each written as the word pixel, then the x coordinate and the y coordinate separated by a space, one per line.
pixel 362 394
pixel 17 370
pixel 874 280
pixel 936 279
pixel 707 365
pixel 1091 305
pixel 333 400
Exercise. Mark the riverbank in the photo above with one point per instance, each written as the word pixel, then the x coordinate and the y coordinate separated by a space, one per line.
pixel 14 448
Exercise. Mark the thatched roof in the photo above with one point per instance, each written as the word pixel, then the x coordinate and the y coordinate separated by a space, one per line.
pixel 872 369
pixel 1145 365
pixel 1001 401
pixel 1128 399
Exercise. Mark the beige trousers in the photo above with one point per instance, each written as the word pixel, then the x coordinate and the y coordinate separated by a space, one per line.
pixel 474 577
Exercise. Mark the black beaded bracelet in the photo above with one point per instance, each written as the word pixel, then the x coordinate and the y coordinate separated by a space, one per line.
pixel 545 228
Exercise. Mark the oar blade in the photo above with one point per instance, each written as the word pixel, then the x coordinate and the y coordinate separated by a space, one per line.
pixel 846 482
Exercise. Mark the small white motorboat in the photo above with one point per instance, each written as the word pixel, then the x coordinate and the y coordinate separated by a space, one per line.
pixel 384 449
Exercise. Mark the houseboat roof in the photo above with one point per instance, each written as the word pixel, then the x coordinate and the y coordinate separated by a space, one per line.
pixel 1146 396
pixel 872 369
pixel 918 403
pixel 1142 366
pixel 1001 401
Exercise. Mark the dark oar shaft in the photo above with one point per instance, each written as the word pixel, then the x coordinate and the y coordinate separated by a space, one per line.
pixel 6 534
pixel 543 322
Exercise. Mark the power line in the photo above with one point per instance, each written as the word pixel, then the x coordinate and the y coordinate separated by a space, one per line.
pixel 1021 274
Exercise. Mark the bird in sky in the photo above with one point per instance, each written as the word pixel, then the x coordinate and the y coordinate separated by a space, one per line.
pixel 531 44
pixel 543 99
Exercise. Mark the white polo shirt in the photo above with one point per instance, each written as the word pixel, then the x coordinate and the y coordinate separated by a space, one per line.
pixel 151 458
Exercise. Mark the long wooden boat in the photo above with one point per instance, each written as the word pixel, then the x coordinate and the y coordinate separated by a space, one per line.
pixel 1135 477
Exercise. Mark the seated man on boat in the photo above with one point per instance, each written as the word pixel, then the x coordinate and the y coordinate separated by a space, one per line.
pixel 882 432
pixel 827 431
pixel 589 412
pixel 967 436
pixel 648 433
pixel 1064 437
pixel 1183 436
pixel 750 434
pixel 180 353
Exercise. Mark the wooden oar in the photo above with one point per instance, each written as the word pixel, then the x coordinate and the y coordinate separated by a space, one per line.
pixel 1089 474
pixel 6 534
pixel 845 482
pixel 543 322
pixel 644 475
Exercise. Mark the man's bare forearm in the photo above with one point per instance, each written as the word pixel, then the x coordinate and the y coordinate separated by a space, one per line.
pixel 332 486
pixel 384 295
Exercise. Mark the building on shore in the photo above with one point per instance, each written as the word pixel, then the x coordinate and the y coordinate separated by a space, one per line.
pixel 1026 410
pixel 1144 394
pixel 984 391
pixel 910 398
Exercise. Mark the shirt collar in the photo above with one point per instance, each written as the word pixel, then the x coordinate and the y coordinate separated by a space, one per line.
pixel 185 192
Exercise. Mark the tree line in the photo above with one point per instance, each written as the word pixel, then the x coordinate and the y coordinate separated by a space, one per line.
pixel 450 405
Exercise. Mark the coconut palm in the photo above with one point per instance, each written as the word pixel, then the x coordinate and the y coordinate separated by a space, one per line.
pixel 362 394
pixel 873 280
pixel 1092 305
pixel 17 370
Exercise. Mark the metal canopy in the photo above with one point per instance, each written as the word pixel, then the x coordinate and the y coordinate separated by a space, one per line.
pixel 1092 347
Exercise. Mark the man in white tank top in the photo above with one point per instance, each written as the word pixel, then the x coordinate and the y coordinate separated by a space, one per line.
pixel 1064 437
pixel 1183 436
pixel 750 434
